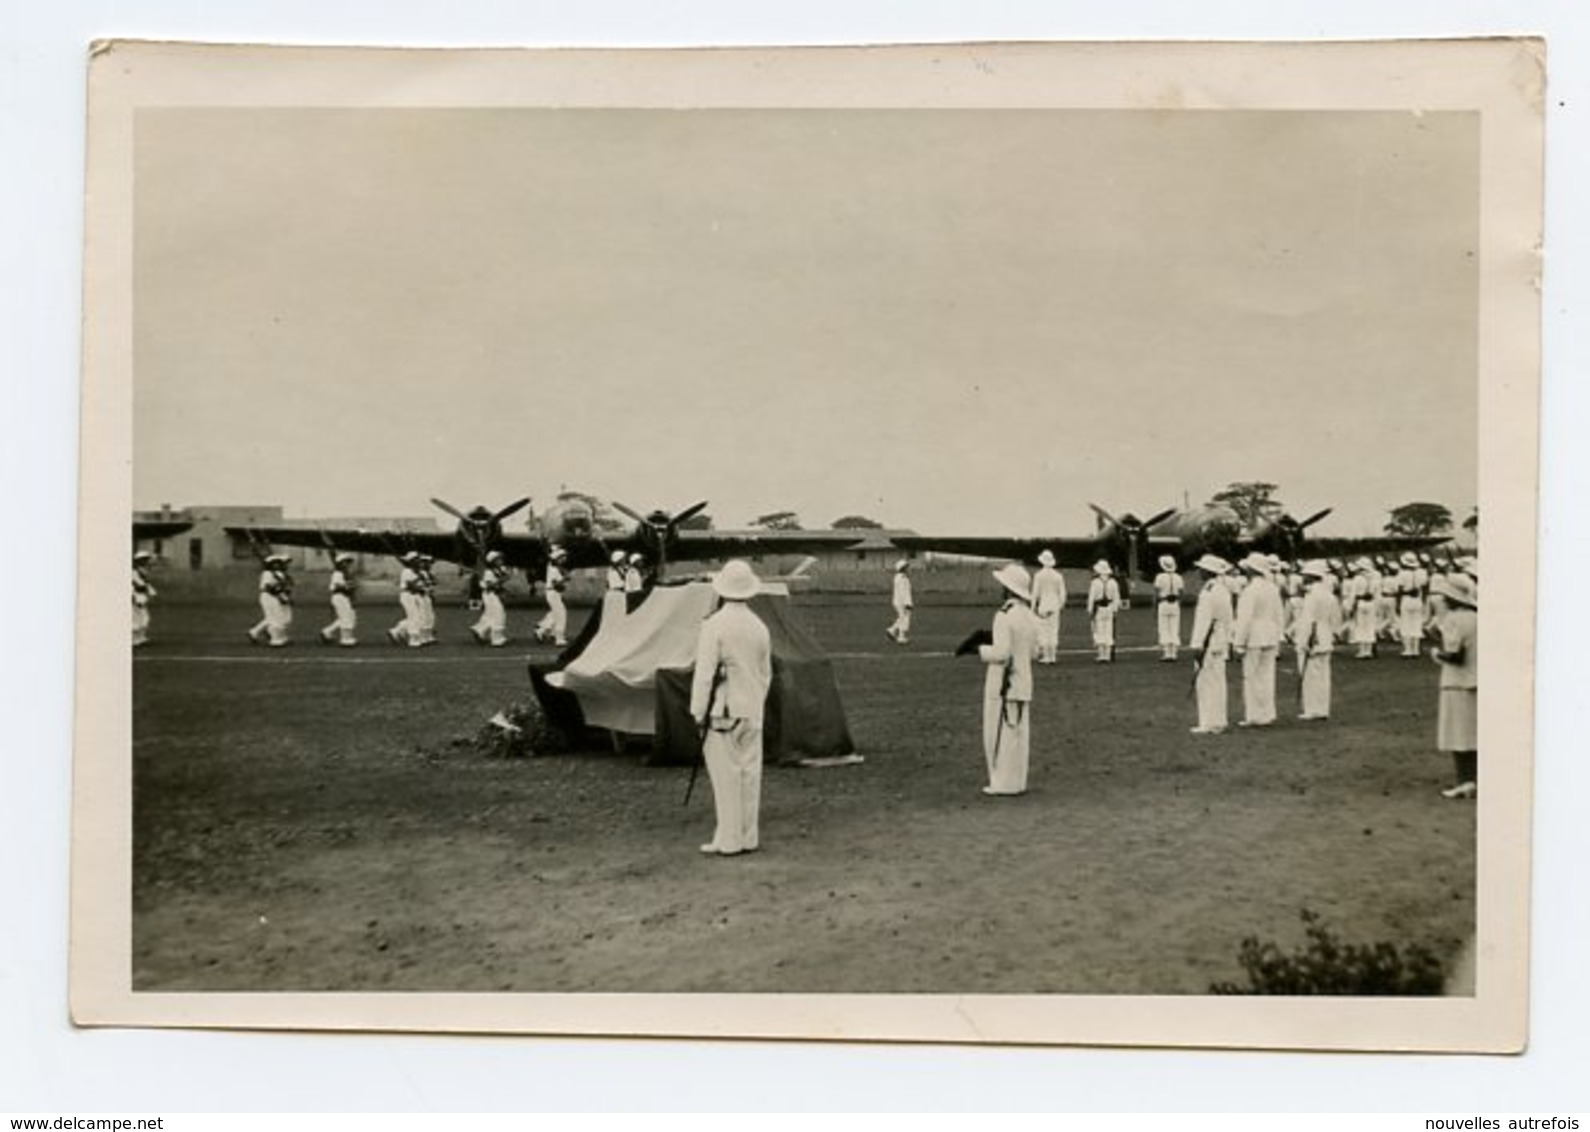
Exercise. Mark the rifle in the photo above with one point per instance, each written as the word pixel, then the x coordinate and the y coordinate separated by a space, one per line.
pixel 718 677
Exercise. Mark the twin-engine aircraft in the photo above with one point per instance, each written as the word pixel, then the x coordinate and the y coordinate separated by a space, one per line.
pixel 1133 546
pixel 587 529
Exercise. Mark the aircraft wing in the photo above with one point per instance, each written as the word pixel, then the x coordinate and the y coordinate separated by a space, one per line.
pixel 1072 552
pixel 523 552
pixel 702 546
pixel 1371 544
pixel 144 530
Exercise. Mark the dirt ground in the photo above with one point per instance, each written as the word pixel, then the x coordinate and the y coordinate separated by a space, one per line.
pixel 303 822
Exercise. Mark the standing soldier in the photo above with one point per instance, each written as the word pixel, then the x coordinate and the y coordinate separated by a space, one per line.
pixel 1168 588
pixel 492 628
pixel 1386 601
pixel 554 626
pixel 1211 641
pixel 1364 608
pixel 728 697
pixel 1007 685
pixel 616 573
pixel 900 631
pixel 1318 622
pixel 1104 598
pixel 275 601
pixel 1457 720
pixel 1257 638
pixel 142 591
pixel 411 588
pixel 344 619
pixel 1411 583
pixel 635 576
pixel 1048 602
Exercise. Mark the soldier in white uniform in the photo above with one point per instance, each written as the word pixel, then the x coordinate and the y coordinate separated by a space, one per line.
pixel 1048 604
pixel 492 628
pixel 1457 652
pixel 427 599
pixel 275 602
pixel 411 587
pixel 728 696
pixel 342 589
pixel 616 572
pixel 1168 588
pixel 1318 623
pixel 1104 598
pixel 554 626
pixel 1007 686
pixel 142 591
pixel 635 575
pixel 900 631
pixel 1257 639
pixel 1365 608
pixel 1211 644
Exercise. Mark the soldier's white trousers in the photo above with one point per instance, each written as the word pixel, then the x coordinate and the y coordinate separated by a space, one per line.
pixel 1258 685
pixel 1048 636
pixel 493 623
pixel 1007 741
pixel 1212 692
pixel 1410 624
pixel 901 628
pixel 556 622
pixel 408 630
pixel 344 623
pixel 277 618
pixel 1317 685
pixel 734 764
pixel 1168 619
pixel 140 624
pixel 1103 627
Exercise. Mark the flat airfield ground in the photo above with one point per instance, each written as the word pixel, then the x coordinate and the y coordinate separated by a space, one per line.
pixel 303 822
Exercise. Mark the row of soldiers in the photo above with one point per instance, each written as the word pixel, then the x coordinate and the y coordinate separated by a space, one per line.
pixel 417 585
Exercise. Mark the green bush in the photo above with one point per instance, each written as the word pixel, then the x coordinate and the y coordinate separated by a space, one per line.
pixel 1325 965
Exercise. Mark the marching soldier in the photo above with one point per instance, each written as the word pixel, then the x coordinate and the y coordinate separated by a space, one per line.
pixel 1211 641
pixel 1104 598
pixel 1007 685
pixel 427 602
pixel 492 628
pixel 1318 622
pixel 1048 603
pixel 1257 639
pixel 142 591
pixel 1168 587
pixel 728 696
pixel 555 625
pixel 342 589
pixel 900 631
pixel 411 591
pixel 275 601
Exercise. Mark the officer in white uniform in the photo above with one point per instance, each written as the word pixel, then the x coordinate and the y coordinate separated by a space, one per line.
pixel 1048 603
pixel 1211 644
pixel 899 631
pixel 142 591
pixel 1007 685
pixel 728 696
pixel 1104 598
pixel 275 602
pixel 344 619
pixel 554 626
pixel 1168 587
pixel 635 575
pixel 1257 639
pixel 1318 622
pixel 492 628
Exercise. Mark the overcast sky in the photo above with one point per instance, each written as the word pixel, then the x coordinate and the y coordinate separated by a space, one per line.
pixel 953 321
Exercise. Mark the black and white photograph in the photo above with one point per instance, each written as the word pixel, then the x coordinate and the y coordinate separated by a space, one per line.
pixel 973 543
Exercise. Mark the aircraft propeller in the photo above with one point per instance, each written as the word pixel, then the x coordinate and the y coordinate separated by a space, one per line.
pixel 1133 530
pixel 482 525
pixel 657 530
pixel 1288 532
